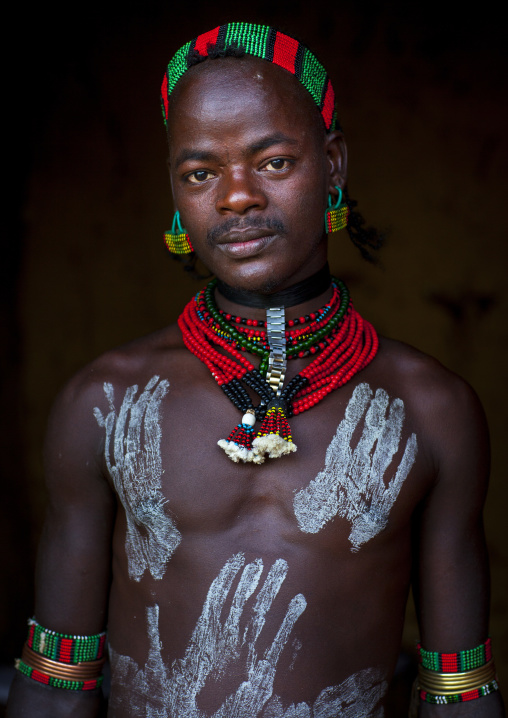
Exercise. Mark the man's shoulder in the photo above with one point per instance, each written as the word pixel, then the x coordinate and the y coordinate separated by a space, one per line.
pixel 438 399
pixel 414 369
pixel 133 363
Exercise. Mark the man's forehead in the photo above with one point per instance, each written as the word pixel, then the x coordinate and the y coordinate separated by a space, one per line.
pixel 265 104
pixel 225 70
pixel 240 79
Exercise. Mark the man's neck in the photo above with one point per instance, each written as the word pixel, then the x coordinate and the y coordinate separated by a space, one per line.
pixel 301 298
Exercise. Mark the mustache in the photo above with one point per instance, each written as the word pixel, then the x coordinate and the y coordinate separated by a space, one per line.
pixel 221 230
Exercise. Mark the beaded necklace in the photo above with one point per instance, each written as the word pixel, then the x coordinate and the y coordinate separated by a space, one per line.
pixel 343 343
pixel 255 341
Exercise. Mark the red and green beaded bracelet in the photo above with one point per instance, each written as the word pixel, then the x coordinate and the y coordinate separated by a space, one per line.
pixel 485 690
pixel 64 647
pixel 48 680
pixel 456 662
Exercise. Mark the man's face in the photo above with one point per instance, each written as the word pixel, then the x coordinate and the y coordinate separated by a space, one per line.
pixel 251 168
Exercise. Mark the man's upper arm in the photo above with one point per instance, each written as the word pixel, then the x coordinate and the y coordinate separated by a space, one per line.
pixel 451 578
pixel 452 583
pixel 74 561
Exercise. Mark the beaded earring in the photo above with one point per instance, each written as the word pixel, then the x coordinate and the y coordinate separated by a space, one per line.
pixel 177 240
pixel 337 214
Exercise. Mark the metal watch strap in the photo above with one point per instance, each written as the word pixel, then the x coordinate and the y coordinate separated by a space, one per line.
pixel 276 334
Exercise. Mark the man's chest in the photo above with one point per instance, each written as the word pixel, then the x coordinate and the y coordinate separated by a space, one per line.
pixel 356 468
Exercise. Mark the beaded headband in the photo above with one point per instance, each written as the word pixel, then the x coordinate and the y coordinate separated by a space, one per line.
pixel 268 44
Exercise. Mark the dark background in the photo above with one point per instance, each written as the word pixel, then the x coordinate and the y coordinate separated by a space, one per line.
pixel 422 95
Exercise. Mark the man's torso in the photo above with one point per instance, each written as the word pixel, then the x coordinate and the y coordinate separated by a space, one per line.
pixel 241 589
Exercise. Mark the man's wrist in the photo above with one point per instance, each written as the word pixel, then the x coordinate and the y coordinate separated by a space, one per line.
pixel 445 678
pixel 62 660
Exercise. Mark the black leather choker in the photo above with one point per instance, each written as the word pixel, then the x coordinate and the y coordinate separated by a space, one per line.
pixel 303 291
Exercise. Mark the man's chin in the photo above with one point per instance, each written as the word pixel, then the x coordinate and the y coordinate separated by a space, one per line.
pixel 262 283
pixel 251 274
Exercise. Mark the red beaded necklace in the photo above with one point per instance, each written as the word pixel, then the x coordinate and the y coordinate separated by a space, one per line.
pixel 343 344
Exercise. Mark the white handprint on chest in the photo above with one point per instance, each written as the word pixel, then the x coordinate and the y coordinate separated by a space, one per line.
pixel 225 640
pixel 352 484
pixel 133 458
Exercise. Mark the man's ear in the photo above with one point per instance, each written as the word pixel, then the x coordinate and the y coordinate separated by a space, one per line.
pixel 336 152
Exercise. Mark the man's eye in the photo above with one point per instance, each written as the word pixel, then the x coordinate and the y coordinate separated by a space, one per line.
pixel 199 176
pixel 279 163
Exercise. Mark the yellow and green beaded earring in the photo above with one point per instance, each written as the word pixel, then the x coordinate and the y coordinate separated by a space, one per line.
pixel 337 214
pixel 177 240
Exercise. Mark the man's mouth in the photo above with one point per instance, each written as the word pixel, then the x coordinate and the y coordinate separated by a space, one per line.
pixel 234 230
pixel 242 245
pixel 247 234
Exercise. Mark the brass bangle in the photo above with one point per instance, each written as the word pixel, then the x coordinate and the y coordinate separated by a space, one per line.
pixel 447 684
pixel 85 671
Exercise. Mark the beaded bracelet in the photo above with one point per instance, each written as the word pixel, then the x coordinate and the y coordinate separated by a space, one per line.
pixel 456 677
pixel 456 662
pixel 49 680
pixel 62 660
pixel 460 697
pixel 65 647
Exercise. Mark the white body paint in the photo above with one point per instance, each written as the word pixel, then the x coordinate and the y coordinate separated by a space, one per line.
pixel 133 458
pixel 352 483
pixel 217 645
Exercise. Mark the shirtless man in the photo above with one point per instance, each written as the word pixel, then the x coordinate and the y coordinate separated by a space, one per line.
pixel 233 583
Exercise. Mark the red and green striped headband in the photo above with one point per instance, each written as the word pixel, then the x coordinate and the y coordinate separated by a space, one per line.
pixel 263 42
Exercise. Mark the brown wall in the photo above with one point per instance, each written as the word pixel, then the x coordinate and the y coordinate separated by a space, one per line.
pixel 422 101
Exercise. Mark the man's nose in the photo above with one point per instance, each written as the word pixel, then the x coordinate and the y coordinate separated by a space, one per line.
pixel 240 192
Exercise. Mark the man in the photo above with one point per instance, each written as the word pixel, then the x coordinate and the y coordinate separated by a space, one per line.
pixel 245 498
